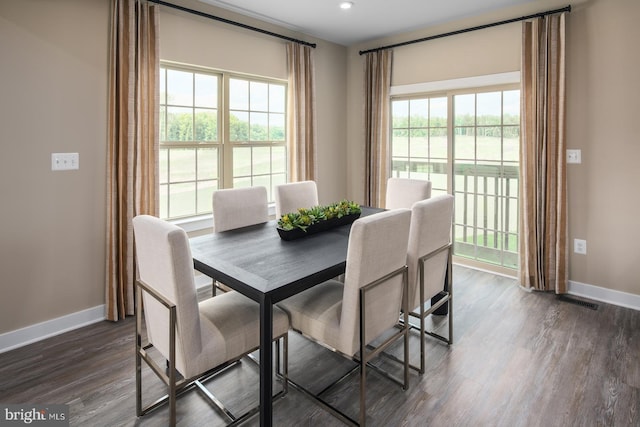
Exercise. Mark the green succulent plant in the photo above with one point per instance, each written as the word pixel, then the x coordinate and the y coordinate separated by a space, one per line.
pixel 305 217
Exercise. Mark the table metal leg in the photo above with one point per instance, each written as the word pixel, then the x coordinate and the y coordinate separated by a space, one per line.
pixel 266 361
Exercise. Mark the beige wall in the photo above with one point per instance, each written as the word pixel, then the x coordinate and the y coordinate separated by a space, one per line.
pixel 53 88
pixel 603 110
pixel 603 103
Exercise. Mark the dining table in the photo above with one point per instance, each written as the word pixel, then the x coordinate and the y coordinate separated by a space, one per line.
pixel 259 264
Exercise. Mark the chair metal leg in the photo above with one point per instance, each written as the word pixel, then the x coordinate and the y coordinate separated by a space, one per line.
pixel 172 366
pixel 363 356
pixel 450 319
pixel 333 411
pixel 285 362
pixel 215 400
pixel 450 290
pixel 363 379
pixel 448 299
pixel 282 373
pixel 422 316
pixel 138 348
pixel 422 341
pixel 406 344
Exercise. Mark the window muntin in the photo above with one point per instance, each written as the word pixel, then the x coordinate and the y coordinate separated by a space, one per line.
pixel 217 130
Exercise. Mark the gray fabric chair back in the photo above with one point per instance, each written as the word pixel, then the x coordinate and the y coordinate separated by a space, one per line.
pixel 239 207
pixel 165 264
pixel 377 247
pixel 430 230
pixel 404 192
pixel 294 195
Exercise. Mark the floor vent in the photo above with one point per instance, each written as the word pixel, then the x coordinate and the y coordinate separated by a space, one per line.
pixel 572 300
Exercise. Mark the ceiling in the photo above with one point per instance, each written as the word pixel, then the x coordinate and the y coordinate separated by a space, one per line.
pixel 366 20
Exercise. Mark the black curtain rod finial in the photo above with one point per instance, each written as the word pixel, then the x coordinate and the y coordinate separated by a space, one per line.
pixel 466 30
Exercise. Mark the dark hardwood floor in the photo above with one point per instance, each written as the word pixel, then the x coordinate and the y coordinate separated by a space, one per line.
pixel 518 359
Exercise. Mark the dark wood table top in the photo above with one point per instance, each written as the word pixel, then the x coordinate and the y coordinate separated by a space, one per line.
pixel 255 261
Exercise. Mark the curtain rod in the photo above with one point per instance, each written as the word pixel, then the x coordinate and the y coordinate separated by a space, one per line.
pixel 466 30
pixel 228 21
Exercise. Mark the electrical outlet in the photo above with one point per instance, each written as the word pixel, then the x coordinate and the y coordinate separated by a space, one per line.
pixel 580 246
pixel 65 161
pixel 574 156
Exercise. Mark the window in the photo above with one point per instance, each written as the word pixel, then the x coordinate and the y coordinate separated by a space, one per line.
pixel 466 143
pixel 419 141
pixel 256 138
pixel 486 136
pixel 217 130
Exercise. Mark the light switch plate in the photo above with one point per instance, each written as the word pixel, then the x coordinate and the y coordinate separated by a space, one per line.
pixel 65 161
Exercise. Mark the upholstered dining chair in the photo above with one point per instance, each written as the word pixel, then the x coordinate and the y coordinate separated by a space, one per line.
pixel 404 192
pixel 235 208
pixel 291 196
pixel 429 262
pixel 348 317
pixel 239 207
pixel 197 340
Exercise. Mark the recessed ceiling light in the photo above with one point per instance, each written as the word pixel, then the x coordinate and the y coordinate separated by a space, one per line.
pixel 346 5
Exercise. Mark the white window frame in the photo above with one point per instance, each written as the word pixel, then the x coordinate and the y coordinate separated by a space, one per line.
pixel 195 223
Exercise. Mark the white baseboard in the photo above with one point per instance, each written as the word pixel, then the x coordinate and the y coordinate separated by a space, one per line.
pixel 30 334
pixel 39 331
pixel 609 296
pixel 595 293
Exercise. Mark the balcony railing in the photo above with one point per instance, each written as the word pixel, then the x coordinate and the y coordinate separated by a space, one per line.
pixel 486 214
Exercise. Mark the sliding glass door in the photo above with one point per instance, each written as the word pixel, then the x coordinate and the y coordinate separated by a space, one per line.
pixel 467 144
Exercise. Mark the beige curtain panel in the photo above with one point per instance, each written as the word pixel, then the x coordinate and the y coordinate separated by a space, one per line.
pixel 376 124
pixel 543 188
pixel 132 154
pixel 301 125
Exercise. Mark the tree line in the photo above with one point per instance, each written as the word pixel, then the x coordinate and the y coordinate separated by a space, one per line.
pixel 203 126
